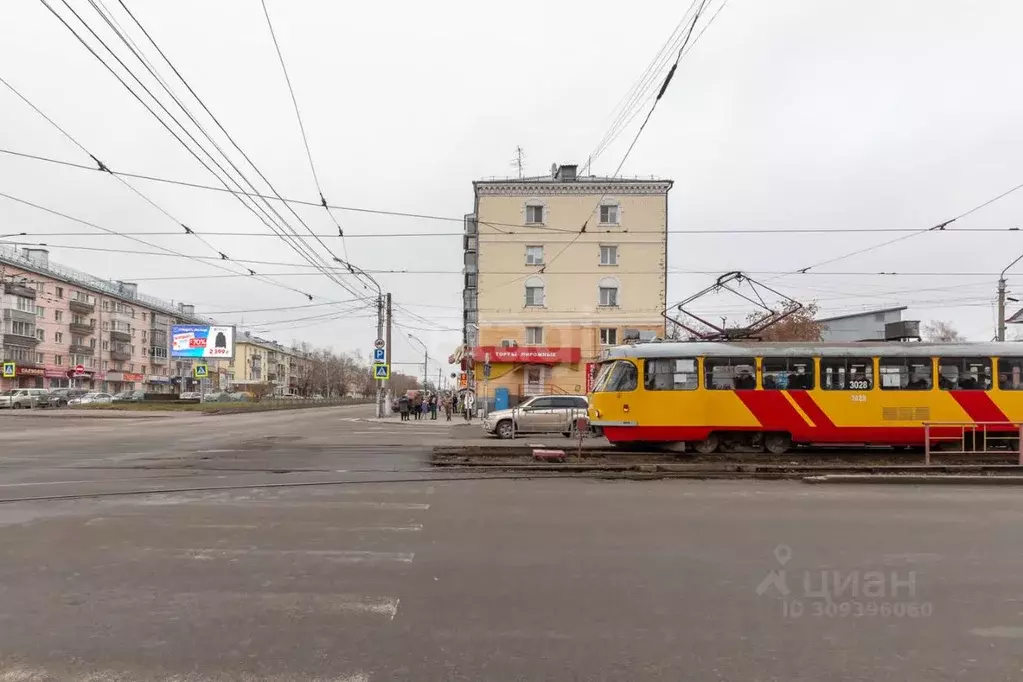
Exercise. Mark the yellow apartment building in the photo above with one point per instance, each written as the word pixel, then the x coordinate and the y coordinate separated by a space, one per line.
pixel 542 295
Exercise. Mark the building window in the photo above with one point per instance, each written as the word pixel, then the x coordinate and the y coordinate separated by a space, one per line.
pixel 534 255
pixel 58 337
pixel 787 373
pixel 39 359
pixel 534 381
pixel 60 292
pixel 106 326
pixel 58 316
pixel 609 213
pixel 534 292
pixel 534 335
pixel 609 336
pixel 607 292
pixel 106 365
pixel 40 312
pixel 40 334
pixel 58 360
pixel 106 345
pixel 906 374
pixel 143 370
pixel 534 213
pixel 608 254
pixel 131 367
pixel 143 337
pixel 92 343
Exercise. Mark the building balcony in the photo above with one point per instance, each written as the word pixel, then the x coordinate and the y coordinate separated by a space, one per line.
pixel 14 339
pixel 83 329
pixel 78 349
pixel 157 359
pixel 119 335
pixel 160 322
pixel 80 305
pixel 120 355
pixel 19 289
pixel 19 315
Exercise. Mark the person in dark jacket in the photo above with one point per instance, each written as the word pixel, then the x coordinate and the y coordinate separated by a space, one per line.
pixel 403 407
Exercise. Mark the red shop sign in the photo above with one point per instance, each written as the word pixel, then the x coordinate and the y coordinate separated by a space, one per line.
pixel 30 371
pixel 539 355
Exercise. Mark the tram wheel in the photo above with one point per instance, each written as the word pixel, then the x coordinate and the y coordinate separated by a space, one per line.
pixel 777 443
pixel 706 446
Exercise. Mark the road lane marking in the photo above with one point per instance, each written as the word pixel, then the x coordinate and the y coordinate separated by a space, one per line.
pixel 999 631
pixel 20 673
pixel 292 525
pixel 343 556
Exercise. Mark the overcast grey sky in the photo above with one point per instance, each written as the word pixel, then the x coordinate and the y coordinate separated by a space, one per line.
pixel 787 114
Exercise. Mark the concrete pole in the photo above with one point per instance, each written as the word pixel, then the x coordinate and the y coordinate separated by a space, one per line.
pixel 380 335
pixel 1001 308
pixel 387 339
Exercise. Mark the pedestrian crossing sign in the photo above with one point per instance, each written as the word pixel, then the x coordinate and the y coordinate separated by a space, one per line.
pixel 381 371
pixel 9 370
pixel 201 371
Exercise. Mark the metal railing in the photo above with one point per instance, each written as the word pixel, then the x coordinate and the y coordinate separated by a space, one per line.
pixel 974 438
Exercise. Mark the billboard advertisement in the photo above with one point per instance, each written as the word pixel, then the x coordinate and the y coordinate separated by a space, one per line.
pixel 202 341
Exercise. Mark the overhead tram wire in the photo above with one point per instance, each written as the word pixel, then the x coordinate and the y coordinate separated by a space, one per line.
pixel 133 48
pixel 685 51
pixel 268 220
pixel 660 94
pixel 631 99
pixel 305 138
pixel 202 103
pixel 257 195
pixel 940 227
pixel 152 203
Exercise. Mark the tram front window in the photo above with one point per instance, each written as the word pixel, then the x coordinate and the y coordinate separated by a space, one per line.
pixel 618 376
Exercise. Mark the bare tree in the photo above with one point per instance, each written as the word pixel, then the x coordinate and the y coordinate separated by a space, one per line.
pixel 939 331
pixel 800 325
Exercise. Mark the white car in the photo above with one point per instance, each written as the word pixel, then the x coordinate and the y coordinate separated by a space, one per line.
pixel 16 398
pixel 91 399
pixel 541 414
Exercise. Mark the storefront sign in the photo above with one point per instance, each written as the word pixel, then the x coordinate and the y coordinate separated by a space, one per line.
pixel 30 371
pixel 55 372
pixel 152 379
pixel 124 376
pixel 539 355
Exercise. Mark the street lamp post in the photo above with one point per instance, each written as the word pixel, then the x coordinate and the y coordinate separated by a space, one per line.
pixel 426 358
pixel 1001 299
pixel 357 271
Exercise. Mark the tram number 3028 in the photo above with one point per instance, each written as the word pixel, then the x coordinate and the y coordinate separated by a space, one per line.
pixel 858 398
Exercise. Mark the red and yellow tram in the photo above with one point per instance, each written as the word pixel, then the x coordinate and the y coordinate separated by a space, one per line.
pixel 774 395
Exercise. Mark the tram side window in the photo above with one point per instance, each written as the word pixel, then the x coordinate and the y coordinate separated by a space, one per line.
pixel 1010 374
pixel 787 373
pixel 671 374
pixel 621 376
pixel 906 374
pixel 847 374
pixel 964 374
pixel 730 373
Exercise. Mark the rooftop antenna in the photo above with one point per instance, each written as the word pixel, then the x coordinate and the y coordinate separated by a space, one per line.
pixel 520 155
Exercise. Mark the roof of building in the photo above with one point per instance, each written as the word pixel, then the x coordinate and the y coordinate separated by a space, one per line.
pixel 1016 318
pixel 15 258
pixel 797 349
pixel 579 180
pixel 865 313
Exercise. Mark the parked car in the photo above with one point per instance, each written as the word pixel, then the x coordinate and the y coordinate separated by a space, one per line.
pixel 221 397
pixel 129 396
pixel 540 414
pixel 92 398
pixel 60 397
pixel 190 395
pixel 17 398
pixel 241 397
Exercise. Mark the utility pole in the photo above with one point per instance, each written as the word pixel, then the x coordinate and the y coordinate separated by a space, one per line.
pixel 380 335
pixel 519 154
pixel 1001 307
pixel 1000 335
pixel 387 338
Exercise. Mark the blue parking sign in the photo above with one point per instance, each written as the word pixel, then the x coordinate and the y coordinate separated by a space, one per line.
pixel 379 354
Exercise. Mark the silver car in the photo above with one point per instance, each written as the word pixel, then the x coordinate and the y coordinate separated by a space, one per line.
pixel 17 398
pixel 540 414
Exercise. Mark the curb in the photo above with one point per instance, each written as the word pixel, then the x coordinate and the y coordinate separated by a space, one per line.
pixel 932 479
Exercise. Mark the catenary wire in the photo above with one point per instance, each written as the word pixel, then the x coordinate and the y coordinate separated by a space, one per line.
pixel 296 245
pixel 124 182
pixel 301 127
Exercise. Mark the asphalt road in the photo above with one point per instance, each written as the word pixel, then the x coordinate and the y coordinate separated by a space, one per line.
pixel 391 573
